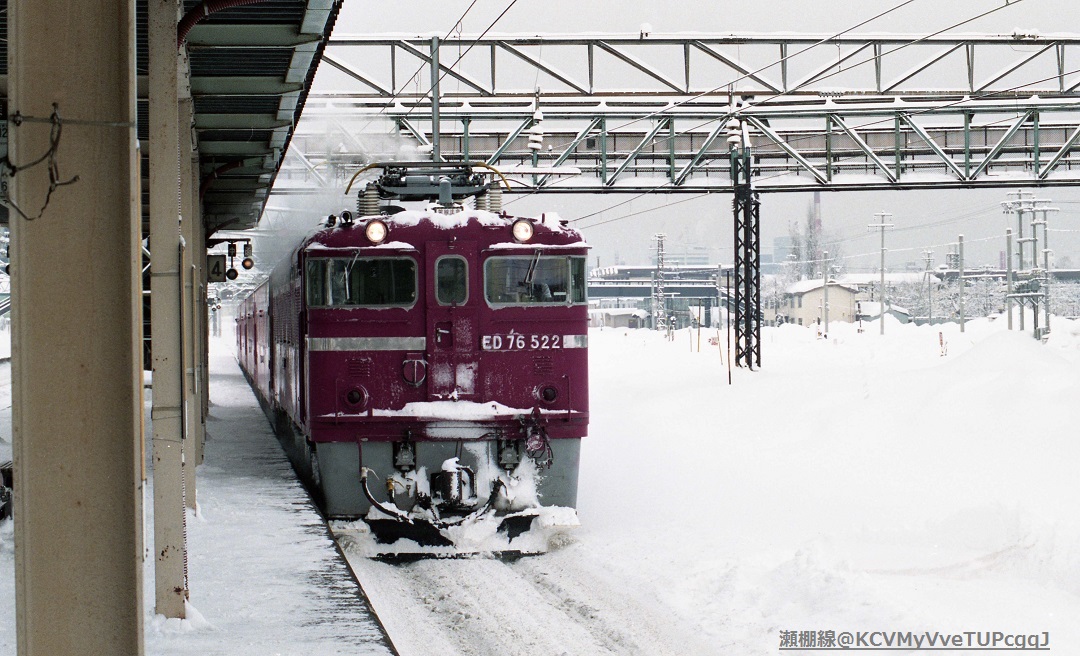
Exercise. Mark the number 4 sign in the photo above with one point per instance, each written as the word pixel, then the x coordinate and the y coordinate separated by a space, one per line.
pixel 215 268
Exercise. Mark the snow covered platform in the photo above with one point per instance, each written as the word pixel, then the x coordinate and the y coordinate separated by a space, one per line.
pixel 265 576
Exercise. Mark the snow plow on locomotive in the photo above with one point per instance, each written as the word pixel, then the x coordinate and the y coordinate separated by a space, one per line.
pixel 427 368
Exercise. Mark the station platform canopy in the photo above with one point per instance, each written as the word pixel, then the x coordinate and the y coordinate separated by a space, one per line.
pixel 250 67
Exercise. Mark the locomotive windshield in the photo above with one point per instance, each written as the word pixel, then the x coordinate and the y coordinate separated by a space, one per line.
pixel 534 280
pixel 361 282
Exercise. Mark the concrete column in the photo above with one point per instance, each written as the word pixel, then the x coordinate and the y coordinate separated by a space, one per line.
pixel 166 286
pixel 198 249
pixel 76 361
pixel 192 406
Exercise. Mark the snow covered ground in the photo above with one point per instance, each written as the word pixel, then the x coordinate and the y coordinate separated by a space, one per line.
pixel 858 483
pixel 855 483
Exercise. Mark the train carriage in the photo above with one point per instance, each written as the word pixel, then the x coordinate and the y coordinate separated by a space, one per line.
pixel 441 352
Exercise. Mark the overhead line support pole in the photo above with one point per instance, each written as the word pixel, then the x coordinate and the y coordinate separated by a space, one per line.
pixel 436 156
pixel 747 211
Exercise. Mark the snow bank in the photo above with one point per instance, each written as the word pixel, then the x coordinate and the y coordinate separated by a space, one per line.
pixel 853 482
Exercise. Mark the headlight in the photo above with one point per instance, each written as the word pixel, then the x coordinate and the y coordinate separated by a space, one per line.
pixel 375 231
pixel 523 230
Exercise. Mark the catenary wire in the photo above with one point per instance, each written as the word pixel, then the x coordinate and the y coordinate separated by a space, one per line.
pixel 816 79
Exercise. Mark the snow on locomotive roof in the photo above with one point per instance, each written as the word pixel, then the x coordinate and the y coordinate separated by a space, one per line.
pixel 448 221
pixel 391 245
pixel 444 221
pixel 528 246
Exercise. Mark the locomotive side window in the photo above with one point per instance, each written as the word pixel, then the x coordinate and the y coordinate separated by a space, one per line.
pixel 451 280
pixel 316 282
pixel 361 282
pixel 535 280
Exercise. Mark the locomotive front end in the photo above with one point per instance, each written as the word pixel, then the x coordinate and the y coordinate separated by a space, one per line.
pixel 445 371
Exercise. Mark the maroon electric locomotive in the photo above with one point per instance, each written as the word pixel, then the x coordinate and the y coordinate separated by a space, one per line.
pixel 428 368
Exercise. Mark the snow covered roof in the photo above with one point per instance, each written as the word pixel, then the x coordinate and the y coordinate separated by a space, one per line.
pixel 873 309
pixel 804 286
pixel 874 278
pixel 619 312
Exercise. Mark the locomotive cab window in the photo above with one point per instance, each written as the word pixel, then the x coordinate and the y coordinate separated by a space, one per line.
pixel 534 280
pixel 451 280
pixel 361 282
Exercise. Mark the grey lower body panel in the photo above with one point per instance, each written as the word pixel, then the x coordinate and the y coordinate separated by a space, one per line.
pixel 339 466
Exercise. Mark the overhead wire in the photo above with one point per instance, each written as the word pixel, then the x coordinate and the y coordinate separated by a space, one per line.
pixel 462 55
pixel 817 79
pixel 731 82
pixel 456 27
pixel 861 126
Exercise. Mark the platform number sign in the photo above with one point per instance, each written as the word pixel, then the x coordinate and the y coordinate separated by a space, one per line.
pixel 215 268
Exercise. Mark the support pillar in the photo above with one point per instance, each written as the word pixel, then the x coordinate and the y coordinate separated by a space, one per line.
pixel 76 339
pixel 202 327
pixel 166 286
pixel 747 212
pixel 191 405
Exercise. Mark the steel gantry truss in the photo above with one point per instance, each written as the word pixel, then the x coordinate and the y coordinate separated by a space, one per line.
pixel 634 114
pixel 743 114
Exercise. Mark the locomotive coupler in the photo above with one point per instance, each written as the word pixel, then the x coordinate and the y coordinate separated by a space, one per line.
pixel 453 486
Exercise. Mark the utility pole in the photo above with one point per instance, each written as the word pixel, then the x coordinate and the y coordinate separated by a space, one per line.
pixel 1021 202
pixel 1009 276
pixel 825 298
pixel 1042 209
pixel 928 257
pixel 960 277
pixel 881 224
pixel 659 306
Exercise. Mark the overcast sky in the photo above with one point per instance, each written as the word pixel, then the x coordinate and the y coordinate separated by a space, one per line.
pixel 707 220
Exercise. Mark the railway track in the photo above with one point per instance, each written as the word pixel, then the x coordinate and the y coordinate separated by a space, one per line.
pixel 562 602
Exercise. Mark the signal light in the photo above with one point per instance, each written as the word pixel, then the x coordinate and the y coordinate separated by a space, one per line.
pixel 247 263
pixel 232 274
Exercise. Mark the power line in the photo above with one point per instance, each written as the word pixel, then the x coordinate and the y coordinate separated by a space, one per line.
pixel 456 27
pixel 914 41
pixel 856 65
pixel 462 55
pixel 767 66
pixel 729 83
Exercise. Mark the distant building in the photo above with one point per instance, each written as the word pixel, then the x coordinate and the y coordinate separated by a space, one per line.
pixel 618 318
pixel 871 310
pixel 802 304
